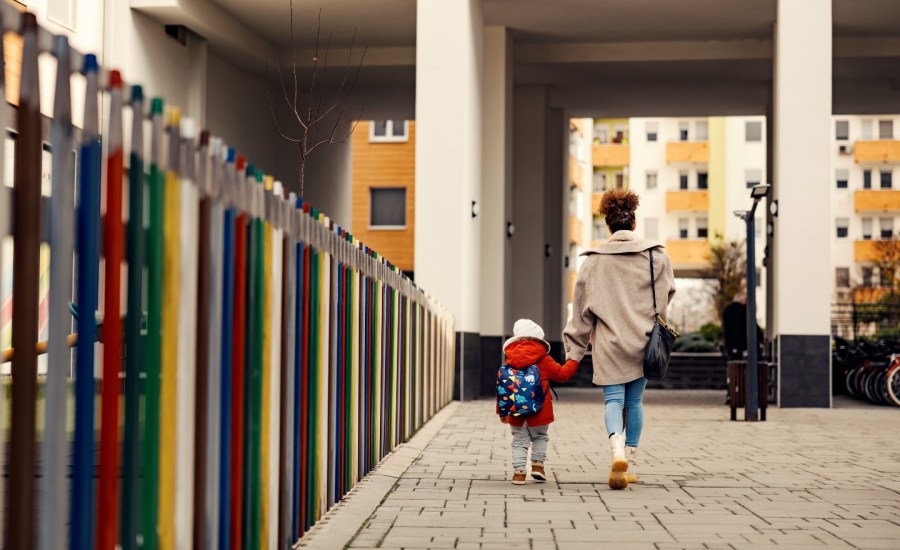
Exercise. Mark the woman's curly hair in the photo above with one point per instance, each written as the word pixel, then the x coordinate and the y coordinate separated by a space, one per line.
pixel 618 206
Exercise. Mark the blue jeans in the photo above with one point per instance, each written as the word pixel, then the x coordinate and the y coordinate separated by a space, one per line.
pixel 630 398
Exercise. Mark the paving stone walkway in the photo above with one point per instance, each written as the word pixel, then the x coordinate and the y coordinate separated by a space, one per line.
pixel 805 478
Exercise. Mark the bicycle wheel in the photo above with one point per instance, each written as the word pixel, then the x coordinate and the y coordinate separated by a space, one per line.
pixel 850 382
pixel 892 381
pixel 869 387
pixel 881 387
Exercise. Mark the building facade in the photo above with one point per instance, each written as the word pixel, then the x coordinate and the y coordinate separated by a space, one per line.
pixel 691 175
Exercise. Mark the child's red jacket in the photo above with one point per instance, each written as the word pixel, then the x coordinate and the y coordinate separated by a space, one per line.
pixel 524 353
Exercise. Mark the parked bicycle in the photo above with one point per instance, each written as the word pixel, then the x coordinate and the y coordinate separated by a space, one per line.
pixel 870 370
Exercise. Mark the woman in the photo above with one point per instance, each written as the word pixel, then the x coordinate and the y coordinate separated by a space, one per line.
pixel 613 301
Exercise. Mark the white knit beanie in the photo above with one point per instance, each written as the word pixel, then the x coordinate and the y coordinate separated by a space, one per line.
pixel 526 329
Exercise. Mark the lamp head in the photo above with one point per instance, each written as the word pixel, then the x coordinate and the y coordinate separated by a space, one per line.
pixel 759 191
pixel 742 214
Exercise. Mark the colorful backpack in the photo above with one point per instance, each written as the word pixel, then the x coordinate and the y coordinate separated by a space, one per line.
pixel 519 391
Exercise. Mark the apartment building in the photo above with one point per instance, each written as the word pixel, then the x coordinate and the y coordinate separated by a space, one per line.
pixel 865 201
pixel 383 183
pixel 691 175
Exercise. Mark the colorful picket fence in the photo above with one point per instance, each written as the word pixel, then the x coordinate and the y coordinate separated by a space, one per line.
pixel 255 360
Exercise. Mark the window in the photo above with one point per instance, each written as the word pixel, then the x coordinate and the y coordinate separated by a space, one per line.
pixel 842 130
pixel 843 225
pixel 682 228
pixel 841 176
pixel 601 132
pixel 701 130
pixel 388 130
pixel 867 129
pixel 683 179
pixel 702 228
pixel 885 276
pixel 388 207
pixel 886 178
pixel 651 180
pixel 842 277
pixel 867 229
pixel 62 12
pixel 753 131
pixel 683 131
pixel 887 227
pixel 702 180
pixel 651 228
pixel 601 230
pixel 866 276
pixel 620 180
pixel 753 177
pixel 886 129
pixel 652 129
pixel 867 179
pixel 599 182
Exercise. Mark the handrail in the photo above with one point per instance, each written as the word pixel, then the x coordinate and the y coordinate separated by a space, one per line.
pixel 7 354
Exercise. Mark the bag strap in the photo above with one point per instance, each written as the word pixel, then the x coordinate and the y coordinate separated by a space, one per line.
pixel 653 284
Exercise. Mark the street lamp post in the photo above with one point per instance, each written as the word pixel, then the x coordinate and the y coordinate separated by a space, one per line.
pixel 751 403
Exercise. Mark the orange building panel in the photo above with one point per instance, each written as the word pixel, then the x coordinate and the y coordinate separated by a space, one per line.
pixel 868 200
pixel 694 152
pixel 610 154
pixel 883 151
pixel 687 201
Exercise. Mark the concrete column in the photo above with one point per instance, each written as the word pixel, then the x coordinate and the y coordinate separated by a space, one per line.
pixel 556 155
pixel 449 38
pixel 496 198
pixel 802 108
pixel 530 110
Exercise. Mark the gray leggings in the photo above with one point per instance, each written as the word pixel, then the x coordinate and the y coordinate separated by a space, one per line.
pixel 524 437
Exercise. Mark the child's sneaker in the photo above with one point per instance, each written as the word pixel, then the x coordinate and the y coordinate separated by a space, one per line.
pixel 518 477
pixel 537 472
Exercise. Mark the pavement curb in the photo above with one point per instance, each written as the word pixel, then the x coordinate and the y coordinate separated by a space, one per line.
pixel 340 524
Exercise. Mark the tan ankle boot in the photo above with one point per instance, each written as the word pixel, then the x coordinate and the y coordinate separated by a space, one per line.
pixel 518 477
pixel 631 474
pixel 537 472
pixel 617 479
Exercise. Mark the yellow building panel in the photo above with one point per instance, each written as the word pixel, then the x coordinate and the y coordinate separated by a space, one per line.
pixel 576 173
pixel 687 201
pixel 696 152
pixel 576 231
pixel 686 254
pixel 876 151
pixel 572 276
pixel 611 154
pixel 868 200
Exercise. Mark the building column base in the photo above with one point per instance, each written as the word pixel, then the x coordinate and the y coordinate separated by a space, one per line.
pixel 804 370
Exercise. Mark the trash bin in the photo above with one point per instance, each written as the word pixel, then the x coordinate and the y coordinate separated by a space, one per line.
pixel 737 387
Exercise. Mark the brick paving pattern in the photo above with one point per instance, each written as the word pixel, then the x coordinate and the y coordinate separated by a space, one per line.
pixel 806 478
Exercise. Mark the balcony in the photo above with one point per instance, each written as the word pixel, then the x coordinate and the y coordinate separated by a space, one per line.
pixel 872 200
pixel 687 152
pixel 869 294
pixel 688 255
pixel 576 173
pixel 576 231
pixel 687 201
pixel 875 152
pixel 611 154
pixel 865 251
pixel 595 202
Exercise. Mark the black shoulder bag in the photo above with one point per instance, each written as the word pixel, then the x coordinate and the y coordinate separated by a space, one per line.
pixel 662 338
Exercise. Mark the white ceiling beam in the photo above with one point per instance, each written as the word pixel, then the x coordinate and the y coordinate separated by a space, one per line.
pixel 225 33
pixel 337 57
pixel 598 52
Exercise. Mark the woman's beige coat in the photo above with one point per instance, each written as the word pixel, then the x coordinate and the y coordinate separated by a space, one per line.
pixel 613 300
